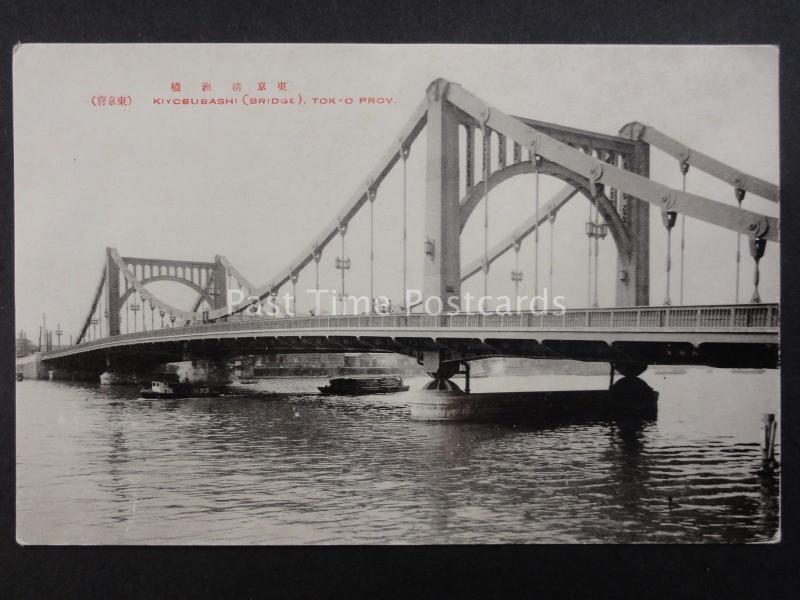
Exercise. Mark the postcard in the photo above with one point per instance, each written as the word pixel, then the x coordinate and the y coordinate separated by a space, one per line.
pixel 331 294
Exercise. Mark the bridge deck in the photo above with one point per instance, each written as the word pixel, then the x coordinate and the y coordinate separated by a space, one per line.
pixel 476 333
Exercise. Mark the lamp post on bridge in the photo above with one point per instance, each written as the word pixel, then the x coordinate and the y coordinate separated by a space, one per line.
pixel 596 232
pixel 152 314
pixel 58 334
pixel 172 321
pixel 343 264
pixel 144 325
pixel 161 312
pixel 516 272
pixel 135 308
pixel 516 277
pixel 295 277
pixel 317 256
pixel 94 328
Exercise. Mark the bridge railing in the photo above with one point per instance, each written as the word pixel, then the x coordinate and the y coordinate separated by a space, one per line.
pixel 643 317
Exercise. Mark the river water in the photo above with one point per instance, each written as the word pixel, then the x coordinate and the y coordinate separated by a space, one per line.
pixel 279 464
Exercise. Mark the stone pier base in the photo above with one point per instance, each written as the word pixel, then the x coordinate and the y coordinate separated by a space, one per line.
pixel 542 406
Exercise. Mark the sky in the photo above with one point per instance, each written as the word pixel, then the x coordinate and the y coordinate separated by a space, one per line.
pixel 256 183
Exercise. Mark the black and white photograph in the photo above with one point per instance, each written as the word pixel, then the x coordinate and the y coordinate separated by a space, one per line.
pixel 423 294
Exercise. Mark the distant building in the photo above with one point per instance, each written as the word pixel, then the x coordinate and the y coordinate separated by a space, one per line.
pixel 24 346
pixel 333 363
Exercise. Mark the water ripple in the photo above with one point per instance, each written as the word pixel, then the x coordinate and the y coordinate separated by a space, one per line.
pixel 278 464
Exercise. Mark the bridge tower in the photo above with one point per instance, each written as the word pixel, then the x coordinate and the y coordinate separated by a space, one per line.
pixel 185 272
pixel 633 267
pixel 442 273
pixel 220 297
pixel 444 213
pixel 113 298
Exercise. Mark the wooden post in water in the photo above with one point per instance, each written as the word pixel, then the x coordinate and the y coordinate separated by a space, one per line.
pixel 768 462
pixel 466 376
pixel 611 376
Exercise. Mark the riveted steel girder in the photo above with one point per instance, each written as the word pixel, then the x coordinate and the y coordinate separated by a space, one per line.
pixel 703 162
pixel 597 171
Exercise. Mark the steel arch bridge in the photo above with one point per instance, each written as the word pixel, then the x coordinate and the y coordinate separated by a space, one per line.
pixel 611 171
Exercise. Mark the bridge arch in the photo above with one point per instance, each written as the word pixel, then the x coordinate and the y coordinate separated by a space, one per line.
pixel 619 232
pixel 203 294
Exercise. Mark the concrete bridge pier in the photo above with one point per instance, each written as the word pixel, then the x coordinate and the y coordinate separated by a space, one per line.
pixel 442 367
pixel 440 364
pixel 629 369
pixel 121 373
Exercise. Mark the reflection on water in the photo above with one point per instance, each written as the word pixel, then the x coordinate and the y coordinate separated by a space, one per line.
pixel 276 463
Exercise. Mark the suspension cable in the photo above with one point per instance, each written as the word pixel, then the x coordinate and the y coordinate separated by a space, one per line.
pixel 341 265
pixel 316 272
pixel 486 136
pixel 371 196
pixel 100 316
pixel 536 231
pixel 404 150
pixel 552 219
pixel 589 234
pixel 317 256
pixel 230 287
pixel 757 247
pixel 144 325
pixel 516 268
pixel 684 169
pixel 596 302
pixel 739 197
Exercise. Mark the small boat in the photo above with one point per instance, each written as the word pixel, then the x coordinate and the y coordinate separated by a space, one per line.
pixel 354 386
pixel 245 381
pixel 175 389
